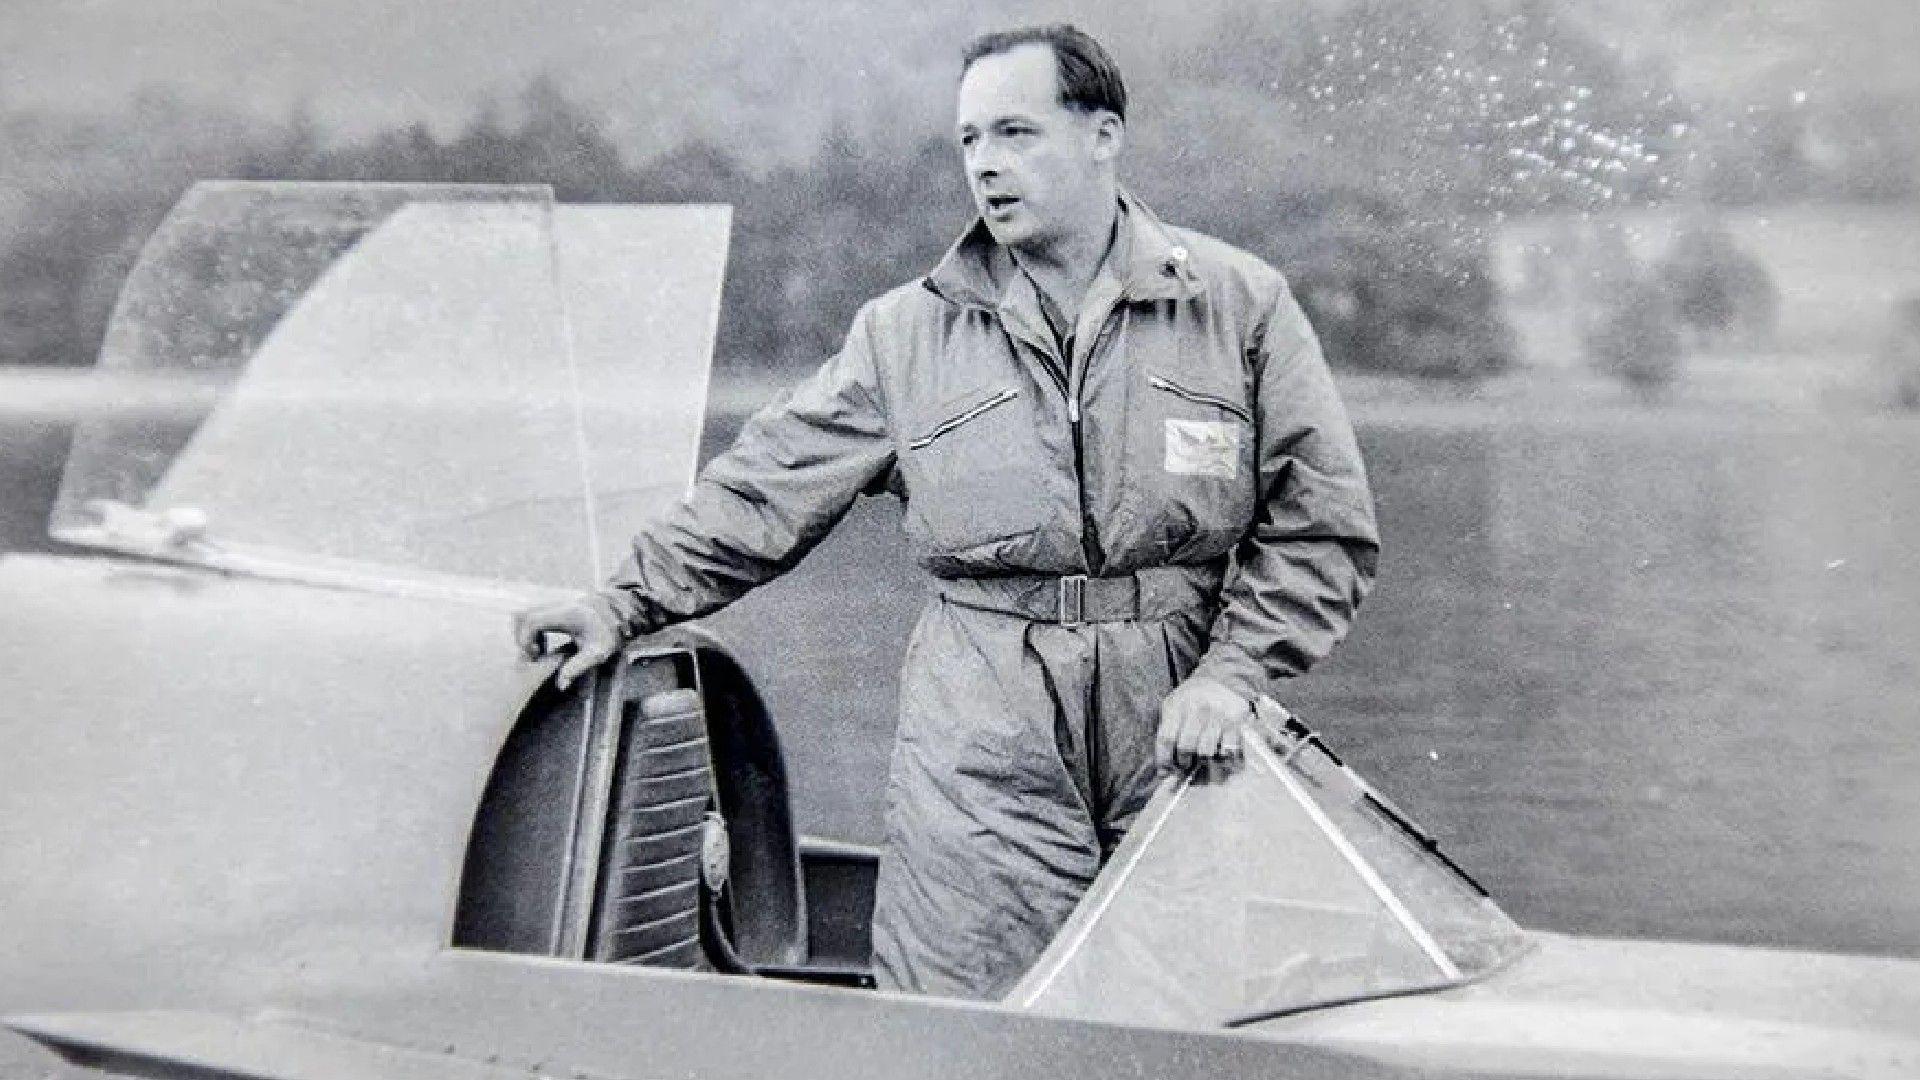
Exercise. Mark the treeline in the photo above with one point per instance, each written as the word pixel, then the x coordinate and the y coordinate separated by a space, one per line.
pixel 810 243
pixel 1368 148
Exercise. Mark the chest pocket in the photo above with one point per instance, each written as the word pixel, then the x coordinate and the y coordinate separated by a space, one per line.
pixel 1198 446
pixel 969 470
pixel 968 413
pixel 1202 397
pixel 1195 464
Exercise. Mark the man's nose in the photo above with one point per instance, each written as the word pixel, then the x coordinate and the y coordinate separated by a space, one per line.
pixel 984 163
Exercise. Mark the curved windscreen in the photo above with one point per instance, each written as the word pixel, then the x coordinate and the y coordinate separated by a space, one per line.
pixel 1283 884
pixel 408 378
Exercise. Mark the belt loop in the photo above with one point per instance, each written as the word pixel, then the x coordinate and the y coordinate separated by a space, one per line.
pixel 1073 600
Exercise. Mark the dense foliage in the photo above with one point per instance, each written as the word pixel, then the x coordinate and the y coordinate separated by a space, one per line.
pixel 1369 148
pixel 1632 333
pixel 1719 290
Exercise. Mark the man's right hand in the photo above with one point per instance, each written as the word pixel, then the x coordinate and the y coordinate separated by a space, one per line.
pixel 587 621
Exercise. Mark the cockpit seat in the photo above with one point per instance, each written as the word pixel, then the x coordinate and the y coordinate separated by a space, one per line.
pixel 649 908
pixel 646 820
pixel 786 908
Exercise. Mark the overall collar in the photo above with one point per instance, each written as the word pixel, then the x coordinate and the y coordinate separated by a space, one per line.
pixel 1149 264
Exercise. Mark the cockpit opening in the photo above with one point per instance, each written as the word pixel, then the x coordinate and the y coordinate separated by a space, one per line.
pixel 643 818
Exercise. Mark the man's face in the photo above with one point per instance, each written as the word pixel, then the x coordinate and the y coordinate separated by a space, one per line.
pixel 1034 165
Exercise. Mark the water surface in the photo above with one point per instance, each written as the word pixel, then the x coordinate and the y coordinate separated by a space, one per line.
pixel 1646 672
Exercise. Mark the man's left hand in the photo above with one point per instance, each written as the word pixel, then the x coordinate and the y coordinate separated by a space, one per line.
pixel 1199 721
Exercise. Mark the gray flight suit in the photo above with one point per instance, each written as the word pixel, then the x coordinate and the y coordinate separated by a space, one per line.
pixel 1181 496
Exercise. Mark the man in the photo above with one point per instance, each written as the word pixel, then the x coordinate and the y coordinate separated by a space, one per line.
pixel 1123 457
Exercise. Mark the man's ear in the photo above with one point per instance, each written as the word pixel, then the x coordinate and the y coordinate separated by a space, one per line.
pixel 1109 136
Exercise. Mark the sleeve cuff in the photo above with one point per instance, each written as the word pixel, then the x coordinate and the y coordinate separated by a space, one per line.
pixel 624 611
pixel 1230 666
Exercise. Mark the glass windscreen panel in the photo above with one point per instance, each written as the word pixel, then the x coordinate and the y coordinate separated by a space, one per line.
pixel 1274 886
pixel 1451 911
pixel 364 374
pixel 642 286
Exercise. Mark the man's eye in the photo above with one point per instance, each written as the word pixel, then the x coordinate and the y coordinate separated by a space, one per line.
pixel 969 140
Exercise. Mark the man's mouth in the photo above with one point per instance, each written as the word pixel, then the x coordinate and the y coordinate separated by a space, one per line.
pixel 1000 204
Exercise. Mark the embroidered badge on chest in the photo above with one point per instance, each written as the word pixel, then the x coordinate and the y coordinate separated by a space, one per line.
pixel 1203 448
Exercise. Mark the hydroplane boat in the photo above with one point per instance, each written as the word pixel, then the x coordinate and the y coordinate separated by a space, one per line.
pixel 280 800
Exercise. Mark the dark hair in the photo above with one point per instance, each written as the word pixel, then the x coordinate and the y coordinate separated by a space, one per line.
pixel 1089 79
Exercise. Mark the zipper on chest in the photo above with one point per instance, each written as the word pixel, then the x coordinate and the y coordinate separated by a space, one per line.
pixel 1070 379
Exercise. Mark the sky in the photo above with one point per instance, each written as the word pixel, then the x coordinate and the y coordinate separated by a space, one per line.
pixel 361 65
pixel 661 68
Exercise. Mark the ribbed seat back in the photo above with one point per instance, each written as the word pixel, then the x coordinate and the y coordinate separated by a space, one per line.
pixel 593 834
pixel 648 909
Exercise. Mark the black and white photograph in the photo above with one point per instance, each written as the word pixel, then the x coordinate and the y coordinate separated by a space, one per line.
pixel 614 540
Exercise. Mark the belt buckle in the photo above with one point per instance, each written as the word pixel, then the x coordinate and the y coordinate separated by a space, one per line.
pixel 1073 600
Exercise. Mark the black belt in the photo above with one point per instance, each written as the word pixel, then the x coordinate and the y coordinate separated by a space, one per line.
pixel 1152 593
